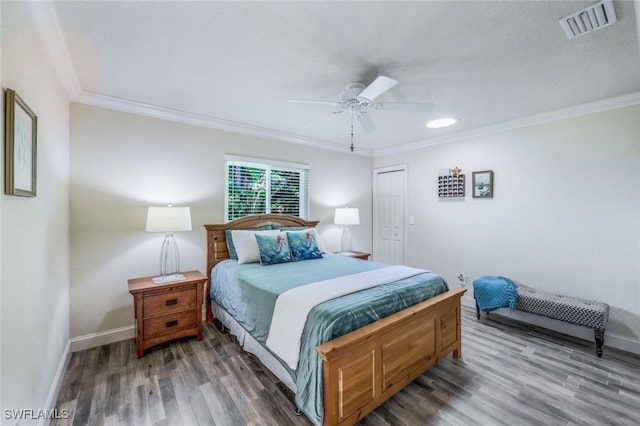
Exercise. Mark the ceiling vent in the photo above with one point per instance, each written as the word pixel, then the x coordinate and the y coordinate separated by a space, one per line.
pixel 594 17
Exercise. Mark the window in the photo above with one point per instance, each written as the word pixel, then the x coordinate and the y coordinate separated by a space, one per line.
pixel 261 186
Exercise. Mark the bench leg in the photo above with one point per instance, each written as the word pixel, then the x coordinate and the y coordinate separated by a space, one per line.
pixel 599 341
pixel 477 310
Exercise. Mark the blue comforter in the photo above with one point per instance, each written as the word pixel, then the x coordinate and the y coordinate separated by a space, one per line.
pixel 248 292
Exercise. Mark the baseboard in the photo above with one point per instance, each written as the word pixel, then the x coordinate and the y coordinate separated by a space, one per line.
pixel 621 342
pixel 93 340
pixel 52 397
pixel 612 340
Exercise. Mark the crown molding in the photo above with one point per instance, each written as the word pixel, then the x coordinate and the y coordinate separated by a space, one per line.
pixel 544 118
pixel 124 105
pixel 163 113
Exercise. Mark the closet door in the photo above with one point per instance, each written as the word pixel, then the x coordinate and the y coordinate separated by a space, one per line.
pixel 389 212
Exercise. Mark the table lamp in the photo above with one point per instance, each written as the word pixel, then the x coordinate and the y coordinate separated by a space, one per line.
pixel 169 220
pixel 346 216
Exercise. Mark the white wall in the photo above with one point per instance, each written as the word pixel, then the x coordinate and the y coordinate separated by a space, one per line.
pixel 565 216
pixel 34 241
pixel 122 163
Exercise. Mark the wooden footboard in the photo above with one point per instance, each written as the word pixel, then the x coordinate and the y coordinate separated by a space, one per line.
pixel 364 368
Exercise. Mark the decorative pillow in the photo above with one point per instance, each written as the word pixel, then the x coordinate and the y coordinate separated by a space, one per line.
pixel 296 229
pixel 246 244
pixel 304 245
pixel 231 247
pixel 273 248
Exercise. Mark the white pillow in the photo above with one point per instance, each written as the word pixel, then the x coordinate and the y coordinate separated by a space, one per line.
pixel 246 244
pixel 318 240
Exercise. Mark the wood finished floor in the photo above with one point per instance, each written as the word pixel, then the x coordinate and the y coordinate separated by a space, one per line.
pixel 510 374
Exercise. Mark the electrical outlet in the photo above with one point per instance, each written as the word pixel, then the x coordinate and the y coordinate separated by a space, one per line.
pixel 462 279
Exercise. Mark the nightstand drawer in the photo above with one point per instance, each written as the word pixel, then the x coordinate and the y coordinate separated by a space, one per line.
pixel 168 324
pixel 169 302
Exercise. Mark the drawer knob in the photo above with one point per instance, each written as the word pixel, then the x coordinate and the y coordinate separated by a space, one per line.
pixel 171 323
pixel 170 302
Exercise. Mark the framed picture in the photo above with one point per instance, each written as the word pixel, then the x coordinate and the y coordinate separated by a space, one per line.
pixel 21 135
pixel 483 184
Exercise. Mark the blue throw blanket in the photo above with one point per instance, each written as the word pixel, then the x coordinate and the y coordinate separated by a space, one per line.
pixel 492 293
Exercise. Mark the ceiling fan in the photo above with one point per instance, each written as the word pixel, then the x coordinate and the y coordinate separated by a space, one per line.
pixel 357 99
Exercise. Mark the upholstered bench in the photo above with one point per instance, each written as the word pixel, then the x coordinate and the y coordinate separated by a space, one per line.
pixel 572 310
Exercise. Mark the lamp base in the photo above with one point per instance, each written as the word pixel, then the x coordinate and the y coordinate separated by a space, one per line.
pixel 168 278
pixel 169 256
pixel 345 243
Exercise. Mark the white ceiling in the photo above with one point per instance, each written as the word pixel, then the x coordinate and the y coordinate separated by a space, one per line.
pixel 233 65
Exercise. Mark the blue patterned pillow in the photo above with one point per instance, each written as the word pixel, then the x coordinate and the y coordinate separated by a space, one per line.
pixel 304 245
pixel 273 248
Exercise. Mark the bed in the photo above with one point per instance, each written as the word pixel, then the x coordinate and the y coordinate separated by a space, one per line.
pixel 354 368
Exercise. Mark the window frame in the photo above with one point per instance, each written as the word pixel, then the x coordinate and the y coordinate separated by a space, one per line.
pixel 268 166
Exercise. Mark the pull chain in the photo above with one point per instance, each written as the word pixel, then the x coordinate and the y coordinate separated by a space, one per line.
pixel 351 132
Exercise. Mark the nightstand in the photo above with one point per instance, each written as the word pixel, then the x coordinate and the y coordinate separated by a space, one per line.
pixel 167 311
pixel 356 254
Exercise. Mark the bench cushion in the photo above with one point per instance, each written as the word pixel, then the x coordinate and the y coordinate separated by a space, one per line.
pixel 586 313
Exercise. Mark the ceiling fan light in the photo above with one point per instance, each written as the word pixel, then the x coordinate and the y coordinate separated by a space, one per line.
pixel 442 122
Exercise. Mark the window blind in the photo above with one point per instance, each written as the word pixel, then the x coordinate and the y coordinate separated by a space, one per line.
pixel 255 186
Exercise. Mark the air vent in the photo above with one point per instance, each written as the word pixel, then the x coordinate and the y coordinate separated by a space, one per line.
pixel 594 17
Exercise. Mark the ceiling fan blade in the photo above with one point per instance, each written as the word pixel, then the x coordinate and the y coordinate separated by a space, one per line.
pixel 366 122
pixel 403 106
pixel 311 101
pixel 377 87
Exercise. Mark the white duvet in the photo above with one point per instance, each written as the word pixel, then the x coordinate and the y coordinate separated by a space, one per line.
pixel 293 306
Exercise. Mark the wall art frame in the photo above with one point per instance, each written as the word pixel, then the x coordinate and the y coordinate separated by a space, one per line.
pixel 482 185
pixel 20 146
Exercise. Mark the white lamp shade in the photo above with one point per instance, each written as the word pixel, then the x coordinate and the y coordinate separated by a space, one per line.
pixel 168 219
pixel 347 216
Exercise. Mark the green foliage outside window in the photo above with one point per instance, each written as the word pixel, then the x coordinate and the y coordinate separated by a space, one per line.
pixel 285 192
pixel 246 192
pixel 255 190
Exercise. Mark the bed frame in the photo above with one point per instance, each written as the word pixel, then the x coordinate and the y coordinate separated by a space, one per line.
pixel 364 368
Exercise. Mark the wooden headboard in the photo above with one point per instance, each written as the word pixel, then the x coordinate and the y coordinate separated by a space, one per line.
pixel 217 239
